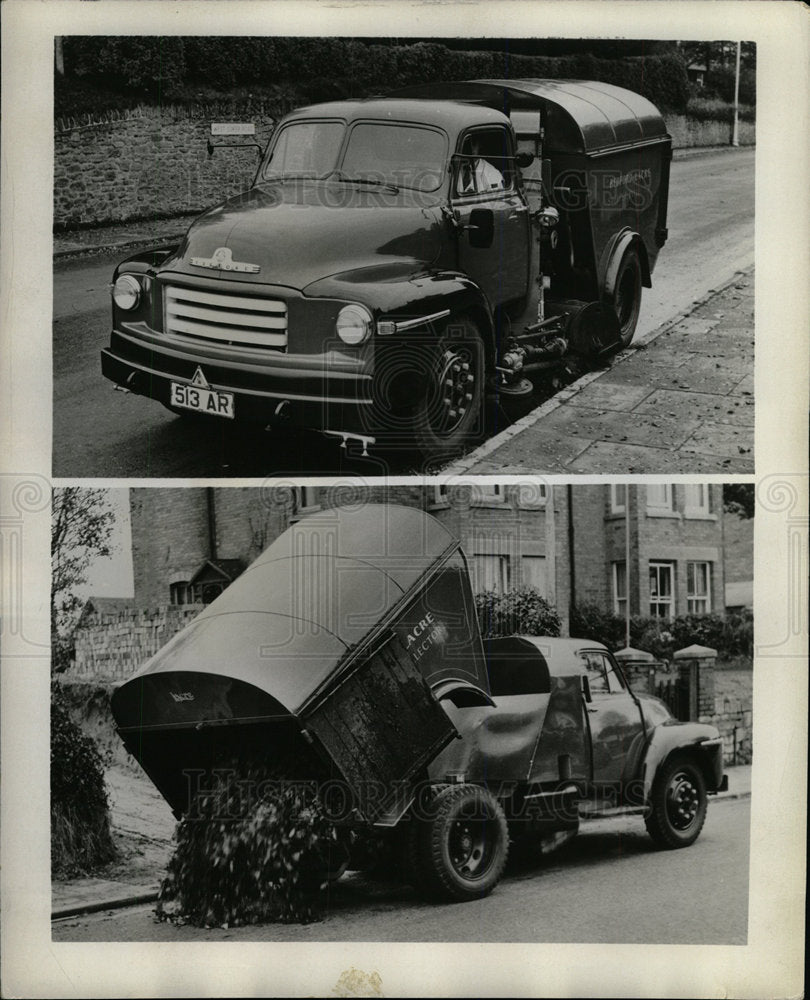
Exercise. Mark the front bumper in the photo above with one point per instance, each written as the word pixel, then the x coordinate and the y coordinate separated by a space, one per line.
pixel 310 395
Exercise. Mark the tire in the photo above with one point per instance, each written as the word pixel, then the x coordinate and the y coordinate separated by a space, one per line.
pixel 627 295
pixel 462 844
pixel 677 803
pixel 448 414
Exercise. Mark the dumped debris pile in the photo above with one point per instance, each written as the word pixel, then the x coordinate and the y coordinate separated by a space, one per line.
pixel 252 850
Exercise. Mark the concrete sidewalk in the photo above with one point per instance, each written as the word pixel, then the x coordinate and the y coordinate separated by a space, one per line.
pixel 91 895
pixel 680 402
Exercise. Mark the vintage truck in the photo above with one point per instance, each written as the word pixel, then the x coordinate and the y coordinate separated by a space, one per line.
pixel 348 655
pixel 400 265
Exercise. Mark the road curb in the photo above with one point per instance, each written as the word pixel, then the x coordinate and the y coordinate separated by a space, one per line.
pixel 113 904
pixel 464 465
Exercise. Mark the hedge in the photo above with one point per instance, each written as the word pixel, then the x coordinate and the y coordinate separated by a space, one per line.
pixel 732 635
pixel 178 69
pixel 81 837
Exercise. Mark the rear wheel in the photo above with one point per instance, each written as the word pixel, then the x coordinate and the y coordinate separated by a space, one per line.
pixel 678 803
pixel 627 295
pixel 448 413
pixel 462 844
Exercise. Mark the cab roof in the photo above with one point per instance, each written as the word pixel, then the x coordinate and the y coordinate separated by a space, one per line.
pixel 450 115
pixel 559 656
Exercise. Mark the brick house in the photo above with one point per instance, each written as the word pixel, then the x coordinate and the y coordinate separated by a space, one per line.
pixel 569 542
pixel 675 552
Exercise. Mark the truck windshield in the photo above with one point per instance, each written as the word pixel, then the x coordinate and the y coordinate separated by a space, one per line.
pixel 401 155
pixel 305 149
pixel 407 156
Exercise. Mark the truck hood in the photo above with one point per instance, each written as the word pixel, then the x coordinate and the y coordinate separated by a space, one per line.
pixel 298 232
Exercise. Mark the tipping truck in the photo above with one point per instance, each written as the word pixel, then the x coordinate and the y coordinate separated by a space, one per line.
pixel 401 267
pixel 349 655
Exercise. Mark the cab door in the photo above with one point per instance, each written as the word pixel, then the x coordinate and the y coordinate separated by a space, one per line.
pixel 485 192
pixel 614 722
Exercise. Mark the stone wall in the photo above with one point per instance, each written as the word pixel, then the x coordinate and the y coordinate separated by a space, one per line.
pixel 112 647
pixel 148 163
pixel 687 132
pixel 153 163
pixel 733 714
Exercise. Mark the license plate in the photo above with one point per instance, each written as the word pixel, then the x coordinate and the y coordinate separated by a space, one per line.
pixel 211 401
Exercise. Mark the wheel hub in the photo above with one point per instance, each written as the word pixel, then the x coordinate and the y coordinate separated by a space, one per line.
pixel 683 801
pixel 456 386
pixel 467 847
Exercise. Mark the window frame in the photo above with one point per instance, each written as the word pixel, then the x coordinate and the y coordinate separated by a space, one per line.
pixel 507 191
pixel 617 507
pixel 662 564
pixel 667 507
pixel 694 597
pixel 503 572
pixel 619 602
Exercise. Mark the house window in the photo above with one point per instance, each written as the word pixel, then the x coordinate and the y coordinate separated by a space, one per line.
pixel 181 593
pixel 697 500
pixel 207 592
pixel 487 494
pixel 532 496
pixel 620 588
pixel 618 498
pixel 659 498
pixel 307 499
pixel 534 573
pixel 440 495
pixel 698 588
pixel 490 573
pixel 661 590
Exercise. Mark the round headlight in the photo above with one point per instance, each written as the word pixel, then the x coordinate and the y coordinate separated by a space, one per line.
pixel 353 324
pixel 126 292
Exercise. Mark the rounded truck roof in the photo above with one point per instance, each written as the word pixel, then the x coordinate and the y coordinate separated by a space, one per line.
pixel 317 591
pixel 582 116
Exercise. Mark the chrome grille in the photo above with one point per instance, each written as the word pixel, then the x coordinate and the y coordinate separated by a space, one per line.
pixel 225 318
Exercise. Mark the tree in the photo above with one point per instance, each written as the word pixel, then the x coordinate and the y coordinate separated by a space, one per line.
pixel 81 526
pixel 738 498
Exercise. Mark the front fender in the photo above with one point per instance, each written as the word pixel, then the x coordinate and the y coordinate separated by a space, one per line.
pixel 703 739
pixel 146 261
pixel 400 294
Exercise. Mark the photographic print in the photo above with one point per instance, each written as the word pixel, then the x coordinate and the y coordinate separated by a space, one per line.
pixel 387 255
pixel 363 704
pixel 399 595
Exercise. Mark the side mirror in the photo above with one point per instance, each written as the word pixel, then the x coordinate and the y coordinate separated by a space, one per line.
pixel 524 160
pixel 481 228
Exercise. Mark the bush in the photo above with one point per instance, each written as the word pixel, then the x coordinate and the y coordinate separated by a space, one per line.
pixel 520 612
pixel 732 635
pixel 81 838
pixel 247 852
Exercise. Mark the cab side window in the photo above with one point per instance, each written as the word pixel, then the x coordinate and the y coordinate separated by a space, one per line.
pixel 485 164
pixel 602 678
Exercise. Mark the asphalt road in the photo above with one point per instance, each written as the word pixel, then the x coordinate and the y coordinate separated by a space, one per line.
pixel 102 433
pixel 608 885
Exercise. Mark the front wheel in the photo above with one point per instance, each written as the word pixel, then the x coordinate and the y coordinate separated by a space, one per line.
pixel 448 413
pixel 462 844
pixel 678 803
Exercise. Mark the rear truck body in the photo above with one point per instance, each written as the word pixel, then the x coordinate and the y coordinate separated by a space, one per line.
pixel 400 262
pixel 349 655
